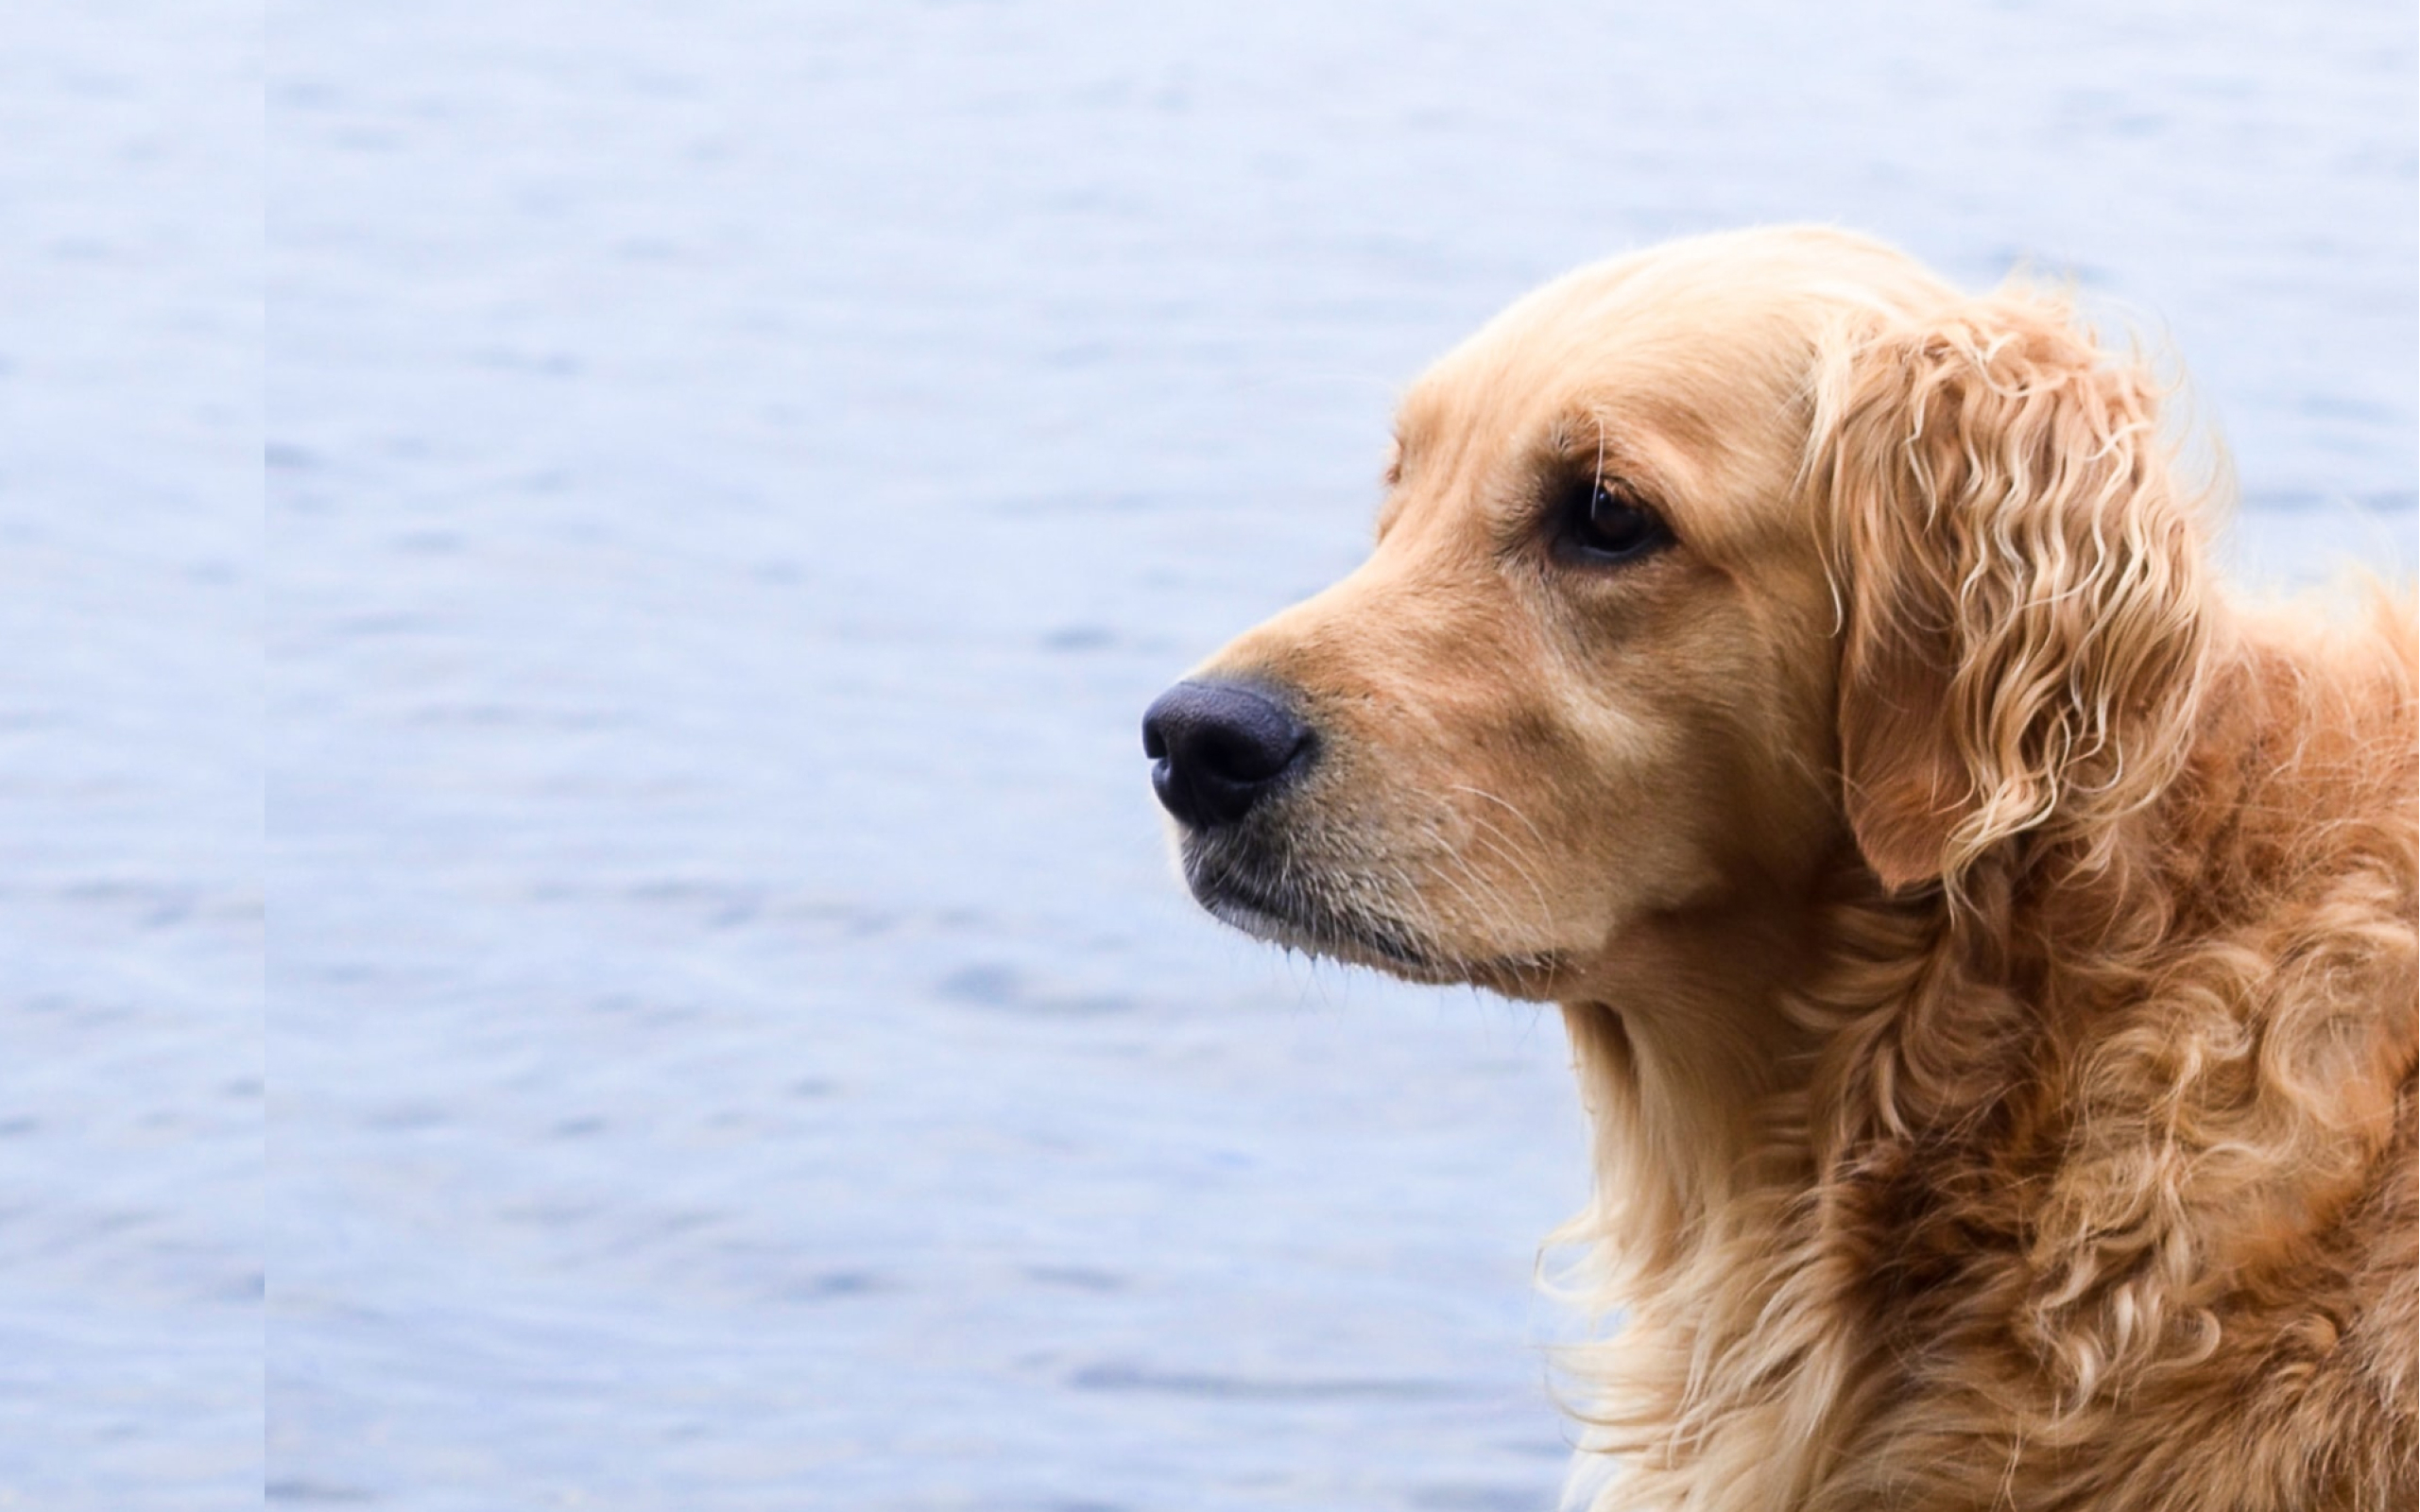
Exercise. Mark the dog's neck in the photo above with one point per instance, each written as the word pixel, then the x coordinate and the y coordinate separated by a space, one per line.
pixel 1696 1075
pixel 1683 1044
pixel 1781 1088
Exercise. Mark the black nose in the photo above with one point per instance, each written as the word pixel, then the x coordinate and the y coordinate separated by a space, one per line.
pixel 1221 748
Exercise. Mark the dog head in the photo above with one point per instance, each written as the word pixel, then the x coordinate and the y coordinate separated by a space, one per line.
pixel 1699 573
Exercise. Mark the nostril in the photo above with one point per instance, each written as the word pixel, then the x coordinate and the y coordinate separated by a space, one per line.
pixel 1220 746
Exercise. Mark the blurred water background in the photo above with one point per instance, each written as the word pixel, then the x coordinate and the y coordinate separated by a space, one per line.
pixel 130 699
pixel 735 473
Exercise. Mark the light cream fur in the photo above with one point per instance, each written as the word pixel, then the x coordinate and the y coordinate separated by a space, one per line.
pixel 1988 944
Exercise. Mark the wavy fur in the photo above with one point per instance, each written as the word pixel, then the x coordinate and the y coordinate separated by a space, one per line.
pixel 1990 948
pixel 2097 1192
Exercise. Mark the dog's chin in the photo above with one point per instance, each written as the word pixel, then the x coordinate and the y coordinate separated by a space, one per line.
pixel 1294 917
pixel 1318 932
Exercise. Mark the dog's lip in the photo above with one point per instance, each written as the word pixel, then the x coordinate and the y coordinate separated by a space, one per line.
pixel 1235 897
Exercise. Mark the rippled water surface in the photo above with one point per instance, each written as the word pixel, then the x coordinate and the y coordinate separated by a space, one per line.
pixel 735 474
pixel 130 1093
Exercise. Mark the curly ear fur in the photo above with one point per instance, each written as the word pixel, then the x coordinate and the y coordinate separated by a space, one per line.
pixel 2021 582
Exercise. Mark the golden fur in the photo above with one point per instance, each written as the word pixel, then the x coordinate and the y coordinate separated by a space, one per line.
pixel 1987 944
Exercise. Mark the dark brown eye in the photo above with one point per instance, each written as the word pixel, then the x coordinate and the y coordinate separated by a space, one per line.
pixel 1606 525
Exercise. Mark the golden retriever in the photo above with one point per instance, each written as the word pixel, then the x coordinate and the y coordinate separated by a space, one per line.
pixel 1987 945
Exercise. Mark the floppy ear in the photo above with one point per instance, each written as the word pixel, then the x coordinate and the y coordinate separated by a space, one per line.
pixel 2022 586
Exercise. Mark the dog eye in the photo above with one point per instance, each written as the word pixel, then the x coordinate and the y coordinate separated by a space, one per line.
pixel 1605 525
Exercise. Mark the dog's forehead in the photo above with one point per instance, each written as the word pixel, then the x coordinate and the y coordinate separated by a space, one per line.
pixel 1689 364
pixel 1696 329
pixel 1599 348
pixel 1680 394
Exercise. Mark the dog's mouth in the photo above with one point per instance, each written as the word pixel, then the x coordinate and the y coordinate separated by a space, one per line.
pixel 1297 911
pixel 1291 914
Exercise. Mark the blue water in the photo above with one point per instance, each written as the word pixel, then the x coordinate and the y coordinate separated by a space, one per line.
pixel 130 844
pixel 735 474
